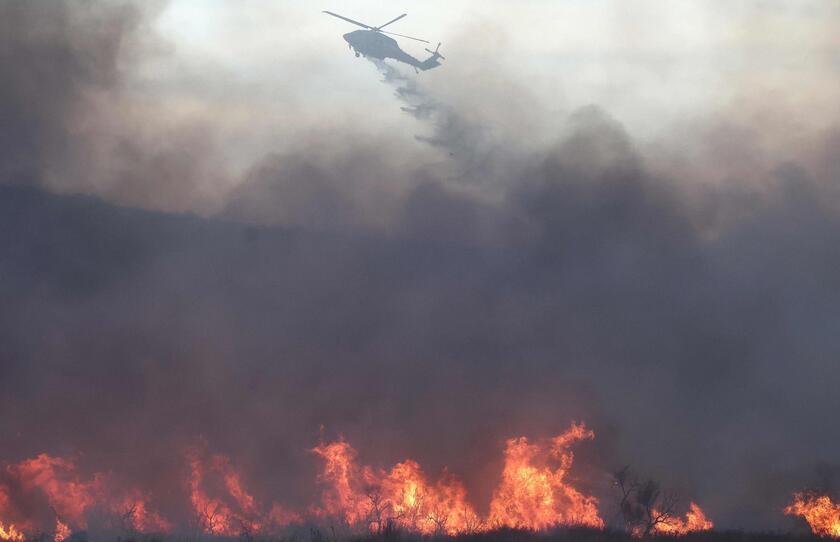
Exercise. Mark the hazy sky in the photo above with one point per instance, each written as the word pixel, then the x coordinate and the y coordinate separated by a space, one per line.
pixel 648 62
pixel 269 74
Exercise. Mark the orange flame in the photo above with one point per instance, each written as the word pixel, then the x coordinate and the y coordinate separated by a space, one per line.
pixel 232 514
pixel 428 509
pixel 822 515
pixel 57 479
pixel 695 520
pixel 533 494
pixel 70 497
pixel 362 497
pixel 62 531
pixel 133 510
pixel 10 533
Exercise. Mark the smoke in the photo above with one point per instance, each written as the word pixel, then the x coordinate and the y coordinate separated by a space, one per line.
pixel 508 270
pixel 72 119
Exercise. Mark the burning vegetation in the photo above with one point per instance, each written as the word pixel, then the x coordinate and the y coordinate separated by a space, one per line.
pixel 647 510
pixel 235 511
pixel 367 498
pixel 534 493
pixel 822 515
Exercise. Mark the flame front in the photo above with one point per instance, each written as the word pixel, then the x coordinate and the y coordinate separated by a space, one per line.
pixel 57 479
pixel 371 499
pixel 822 515
pixel 534 494
pixel 234 513
pixel 695 520
pixel 70 498
pixel 10 533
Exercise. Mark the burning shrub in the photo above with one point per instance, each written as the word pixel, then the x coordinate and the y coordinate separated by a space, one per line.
pixel 647 510
pixel 822 515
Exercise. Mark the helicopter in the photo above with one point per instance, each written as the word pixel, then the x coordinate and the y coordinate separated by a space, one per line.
pixel 372 42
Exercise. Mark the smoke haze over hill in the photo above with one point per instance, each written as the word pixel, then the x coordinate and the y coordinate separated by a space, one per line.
pixel 185 254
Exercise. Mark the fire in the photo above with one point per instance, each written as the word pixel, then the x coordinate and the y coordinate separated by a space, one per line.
pixel 441 508
pixel 695 520
pixel 534 494
pixel 57 479
pixel 70 497
pixel 215 516
pixel 10 533
pixel 822 515
pixel 340 473
pixel 62 531
pixel 234 513
pixel 135 515
pixel 372 499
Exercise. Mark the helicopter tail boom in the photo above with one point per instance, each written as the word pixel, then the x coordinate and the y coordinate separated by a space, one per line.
pixel 432 61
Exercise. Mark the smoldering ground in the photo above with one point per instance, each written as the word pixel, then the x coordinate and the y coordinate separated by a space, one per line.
pixel 372 285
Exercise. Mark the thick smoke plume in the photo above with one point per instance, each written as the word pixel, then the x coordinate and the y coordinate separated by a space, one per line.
pixel 423 302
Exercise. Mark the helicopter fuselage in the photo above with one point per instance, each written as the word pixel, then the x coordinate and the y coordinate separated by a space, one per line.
pixel 377 45
pixel 373 43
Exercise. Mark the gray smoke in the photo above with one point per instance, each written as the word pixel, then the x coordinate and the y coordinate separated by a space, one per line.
pixel 382 292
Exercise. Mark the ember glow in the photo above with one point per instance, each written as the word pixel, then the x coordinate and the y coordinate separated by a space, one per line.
pixel 695 520
pixel 822 515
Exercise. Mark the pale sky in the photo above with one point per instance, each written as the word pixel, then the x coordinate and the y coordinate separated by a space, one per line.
pixel 271 65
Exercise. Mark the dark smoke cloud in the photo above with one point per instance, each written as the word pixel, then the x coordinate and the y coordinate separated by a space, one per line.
pixel 69 122
pixel 53 56
pixel 695 328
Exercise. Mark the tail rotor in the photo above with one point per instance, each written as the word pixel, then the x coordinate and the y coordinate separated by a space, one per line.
pixel 436 53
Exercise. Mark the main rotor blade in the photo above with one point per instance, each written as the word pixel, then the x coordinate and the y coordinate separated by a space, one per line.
pixel 402 36
pixel 391 21
pixel 349 20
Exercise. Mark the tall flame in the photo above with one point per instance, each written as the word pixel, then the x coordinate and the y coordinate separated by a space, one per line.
pixel 57 478
pixel 234 513
pixel 534 492
pixel 822 515
pixel 695 520
pixel 372 499
pixel 62 531
pixel 10 533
